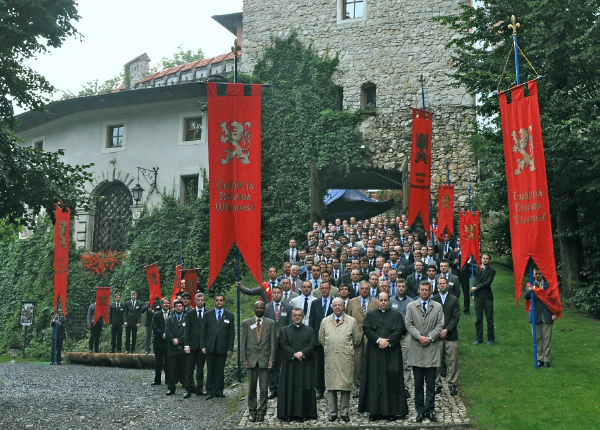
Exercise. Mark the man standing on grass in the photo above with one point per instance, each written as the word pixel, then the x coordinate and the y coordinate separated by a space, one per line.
pixel 484 300
pixel 544 320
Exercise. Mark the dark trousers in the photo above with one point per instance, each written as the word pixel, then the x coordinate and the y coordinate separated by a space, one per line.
pixel 95 333
pixel 465 285
pixel 160 364
pixel 195 360
pixel 176 365
pixel 319 369
pixel 274 372
pixel 482 306
pixel 424 375
pixel 116 338
pixel 130 334
pixel 215 373
pixel 59 344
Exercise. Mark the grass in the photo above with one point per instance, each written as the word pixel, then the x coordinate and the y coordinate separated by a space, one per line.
pixel 501 387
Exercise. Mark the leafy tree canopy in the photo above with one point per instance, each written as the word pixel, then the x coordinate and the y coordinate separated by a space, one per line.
pixel 179 57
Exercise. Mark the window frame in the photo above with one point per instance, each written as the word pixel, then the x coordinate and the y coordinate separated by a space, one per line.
pixel 107 136
pixel 341 11
pixel 197 119
pixel 364 94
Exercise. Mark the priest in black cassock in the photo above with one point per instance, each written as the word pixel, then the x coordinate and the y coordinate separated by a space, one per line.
pixel 382 391
pixel 296 392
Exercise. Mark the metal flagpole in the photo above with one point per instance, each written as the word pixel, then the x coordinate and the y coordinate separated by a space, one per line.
pixel 472 269
pixel 235 48
pixel 422 81
pixel 55 335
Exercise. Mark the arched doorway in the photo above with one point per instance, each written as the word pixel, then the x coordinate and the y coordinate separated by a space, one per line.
pixel 113 216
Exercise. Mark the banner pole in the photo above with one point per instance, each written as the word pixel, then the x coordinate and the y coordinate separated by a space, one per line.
pixel 237 250
pixel 55 335
pixel 535 357
pixel 472 269
pixel 514 27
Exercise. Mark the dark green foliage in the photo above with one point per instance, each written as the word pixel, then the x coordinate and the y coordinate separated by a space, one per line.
pixel 560 39
pixel 299 127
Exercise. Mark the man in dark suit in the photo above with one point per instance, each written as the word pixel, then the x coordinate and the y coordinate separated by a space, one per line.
pixel 175 331
pixel 319 309
pixel 160 341
pixel 149 309
pixel 453 282
pixel 133 319
pixel 116 318
pixel 195 358
pixel 414 279
pixel 484 299
pixel 216 341
pixel 448 336
pixel 281 313
pixel 291 254
pixel 58 336
pixel 353 283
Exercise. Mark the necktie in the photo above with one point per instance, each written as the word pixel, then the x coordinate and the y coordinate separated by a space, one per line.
pixel 335 274
pixel 393 289
pixel 373 293
pixel 418 280
pixel 219 317
pixel 178 317
pixel 337 320
pixel 165 315
pixel 285 296
pixel 198 312
pixel 324 306
pixel 355 288
pixel 272 284
pixel 364 306
pixel 277 311
pixel 305 306
pixel 258 328
pixel 425 306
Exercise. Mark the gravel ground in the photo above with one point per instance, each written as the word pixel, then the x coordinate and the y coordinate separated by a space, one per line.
pixel 36 396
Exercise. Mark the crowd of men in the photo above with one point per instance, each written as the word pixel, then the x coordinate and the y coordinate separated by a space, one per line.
pixel 361 309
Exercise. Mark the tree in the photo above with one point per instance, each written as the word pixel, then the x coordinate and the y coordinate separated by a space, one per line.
pixel 31 179
pixel 560 39
pixel 179 57
pixel 94 87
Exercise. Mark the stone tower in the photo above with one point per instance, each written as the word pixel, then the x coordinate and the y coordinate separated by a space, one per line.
pixel 139 68
pixel 384 47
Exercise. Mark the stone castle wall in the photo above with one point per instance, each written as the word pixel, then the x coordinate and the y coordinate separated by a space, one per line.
pixel 391 47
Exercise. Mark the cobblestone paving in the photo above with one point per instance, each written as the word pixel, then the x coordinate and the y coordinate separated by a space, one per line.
pixel 450 411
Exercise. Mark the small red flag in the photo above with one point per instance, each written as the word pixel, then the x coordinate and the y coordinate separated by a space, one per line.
pixel 102 304
pixel 469 236
pixel 267 288
pixel 153 282
pixel 177 282
pixel 62 234
pixel 445 211
pixel 419 196
pixel 191 281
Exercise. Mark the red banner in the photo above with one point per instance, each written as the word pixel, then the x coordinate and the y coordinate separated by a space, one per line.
pixel 529 207
pixel 191 282
pixel 267 289
pixel 102 304
pixel 419 196
pixel 234 154
pixel 176 282
pixel 153 282
pixel 445 211
pixel 62 235
pixel 469 237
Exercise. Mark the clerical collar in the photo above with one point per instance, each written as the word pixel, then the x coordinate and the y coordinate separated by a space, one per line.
pixel 400 298
pixel 383 310
pixel 297 325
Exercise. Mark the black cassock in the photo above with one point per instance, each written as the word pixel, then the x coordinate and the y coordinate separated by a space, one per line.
pixel 382 381
pixel 296 390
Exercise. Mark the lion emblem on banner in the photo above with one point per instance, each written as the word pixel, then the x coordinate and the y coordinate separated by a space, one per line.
pixel 62 233
pixel 237 135
pixel 524 146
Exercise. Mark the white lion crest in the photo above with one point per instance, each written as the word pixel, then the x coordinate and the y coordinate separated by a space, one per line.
pixel 237 135
pixel 524 146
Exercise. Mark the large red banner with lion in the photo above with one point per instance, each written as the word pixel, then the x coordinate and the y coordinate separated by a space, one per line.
pixel 234 154
pixel 419 196
pixel 528 203
pixel 62 232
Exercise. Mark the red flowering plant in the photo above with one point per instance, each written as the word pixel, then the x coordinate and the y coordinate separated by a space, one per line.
pixel 102 262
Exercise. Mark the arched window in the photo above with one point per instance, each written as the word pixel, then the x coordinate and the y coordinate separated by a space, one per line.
pixel 113 215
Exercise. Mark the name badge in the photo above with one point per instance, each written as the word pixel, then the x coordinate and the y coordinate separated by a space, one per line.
pixel 183 324
pixel 284 314
pixel 121 309
pixel 226 321
pixel 253 326
pixel 395 306
pixel 451 283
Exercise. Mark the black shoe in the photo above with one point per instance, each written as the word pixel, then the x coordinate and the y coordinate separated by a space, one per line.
pixel 58 363
pixel 187 395
pixel 221 396
pixel 546 364
pixel 392 418
pixel 490 342
pixel 540 363
pixel 453 391
pixel 112 351
pixel 444 373
pixel 210 396
pixel 345 418
pixel 170 392
pixel 438 390
pixel 372 418
pixel 420 417
pixel 272 395
pixel 431 416
pixel 155 383
pixel 332 418
pixel 286 419
pixel 91 352
pixel 126 352
pixel 476 342
pixel 200 392
pixel 467 312
pixel 407 393
pixel 147 352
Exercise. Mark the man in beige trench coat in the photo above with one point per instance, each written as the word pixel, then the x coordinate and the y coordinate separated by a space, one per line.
pixel 339 335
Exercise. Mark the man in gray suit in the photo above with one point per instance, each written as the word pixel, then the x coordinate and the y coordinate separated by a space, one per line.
pixel 286 290
pixel 258 352
pixel 281 313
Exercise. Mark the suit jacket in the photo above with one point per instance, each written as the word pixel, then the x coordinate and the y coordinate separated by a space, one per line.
pixel 286 255
pixel 175 330
pixel 133 314
pixel 193 329
pixel 428 323
pixel 483 282
pixel 542 313
pixel 116 316
pixel 217 337
pixel 453 284
pixel 61 330
pixel 291 295
pixel 158 328
pixel 335 291
pixel 317 315
pixel 354 309
pixel 285 314
pixel 297 286
pixel 298 302
pixel 149 311
pixel 451 310
pixel 411 283
pixel 255 351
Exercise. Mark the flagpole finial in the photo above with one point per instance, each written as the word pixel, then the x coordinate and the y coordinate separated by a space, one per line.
pixel 514 25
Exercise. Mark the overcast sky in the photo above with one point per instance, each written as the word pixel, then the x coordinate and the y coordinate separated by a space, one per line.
pixel 116 31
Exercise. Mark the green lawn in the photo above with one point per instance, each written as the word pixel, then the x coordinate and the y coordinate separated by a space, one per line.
pixel 500 385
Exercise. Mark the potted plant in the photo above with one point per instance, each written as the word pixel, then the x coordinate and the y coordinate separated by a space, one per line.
pixel 15 345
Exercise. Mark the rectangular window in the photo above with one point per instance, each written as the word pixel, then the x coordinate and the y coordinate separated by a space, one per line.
pixel 193 128
pixel 190 188
pixel 39 145
pixel 353 9
pixel 115 136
